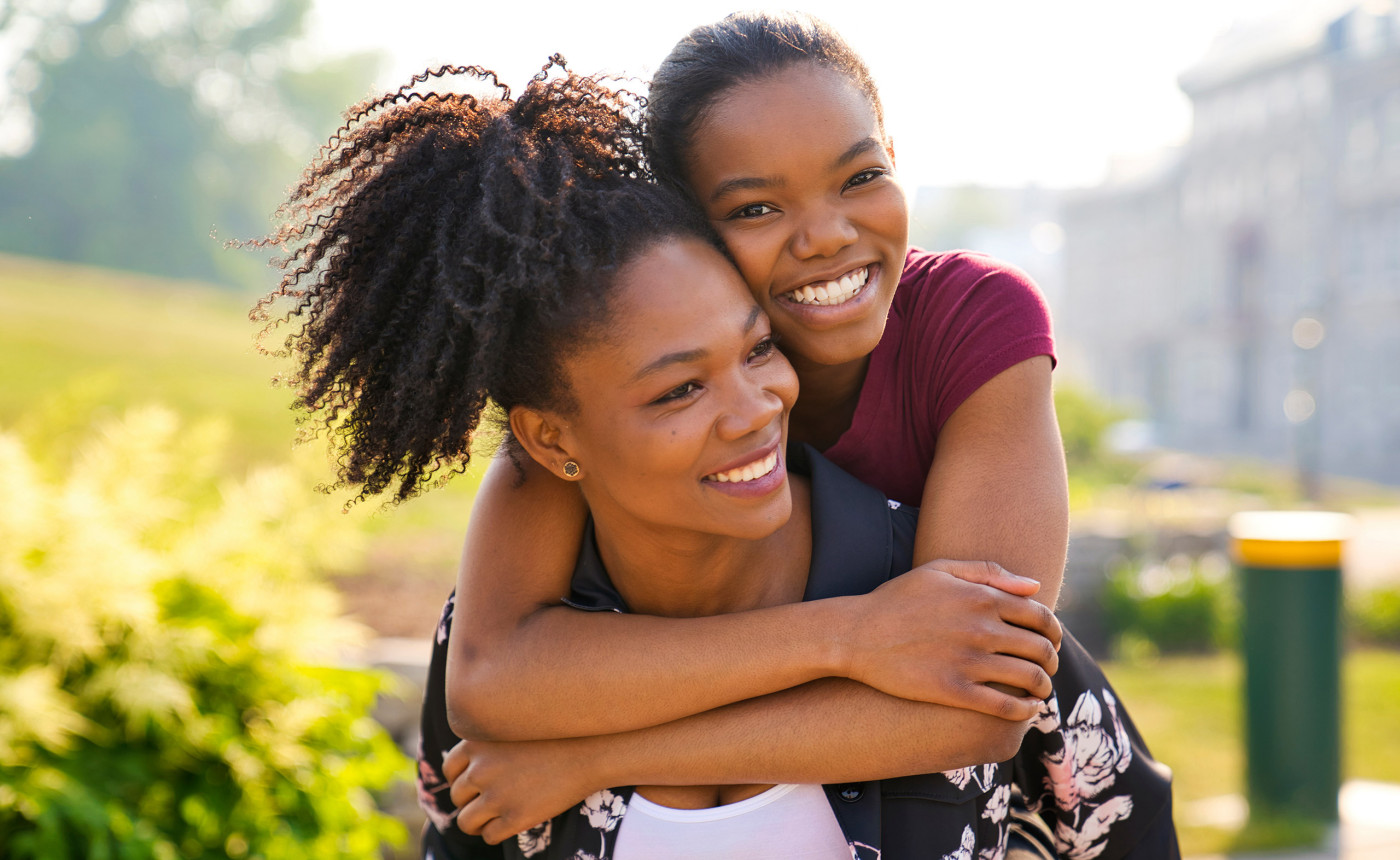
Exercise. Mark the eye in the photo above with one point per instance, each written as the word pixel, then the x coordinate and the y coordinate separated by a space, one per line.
pixel 680 392
pixel 751 210
pixel 865 177
pixel 764 348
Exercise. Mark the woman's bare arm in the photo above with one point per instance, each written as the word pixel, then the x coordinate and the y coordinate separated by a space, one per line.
pixel 997 489
pixel 521 667
pixel 832 730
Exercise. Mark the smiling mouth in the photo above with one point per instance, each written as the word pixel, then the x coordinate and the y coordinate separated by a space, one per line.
pixel 752 472
pixel 836 292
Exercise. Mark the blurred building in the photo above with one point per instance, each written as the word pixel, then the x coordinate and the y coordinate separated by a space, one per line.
pixel 1244 293
pixel 1018 225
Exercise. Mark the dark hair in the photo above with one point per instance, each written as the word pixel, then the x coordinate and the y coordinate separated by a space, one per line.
pixel 445 250
pixel 744 46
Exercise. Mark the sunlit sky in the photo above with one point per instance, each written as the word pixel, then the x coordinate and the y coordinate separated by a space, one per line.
pixel 995 92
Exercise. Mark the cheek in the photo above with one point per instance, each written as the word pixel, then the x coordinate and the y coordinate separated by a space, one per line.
pixel 782 381
pixel 754 252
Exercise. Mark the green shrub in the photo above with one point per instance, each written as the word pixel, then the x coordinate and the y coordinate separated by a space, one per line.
pixel 166 687
pixel 1183 605
pixel 1374 616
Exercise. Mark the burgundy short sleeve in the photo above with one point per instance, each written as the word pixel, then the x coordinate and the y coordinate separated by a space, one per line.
pixel 958 319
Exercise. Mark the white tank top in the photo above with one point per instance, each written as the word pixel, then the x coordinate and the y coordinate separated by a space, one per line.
pixel 786 822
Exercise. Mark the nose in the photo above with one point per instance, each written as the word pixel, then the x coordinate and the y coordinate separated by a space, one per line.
pixel 823 233
pixel 753 407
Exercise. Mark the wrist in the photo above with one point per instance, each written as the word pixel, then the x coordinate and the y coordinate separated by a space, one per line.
pixel 837 638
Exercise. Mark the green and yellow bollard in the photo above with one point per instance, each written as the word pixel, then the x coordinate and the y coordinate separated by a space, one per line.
pixel 1290 572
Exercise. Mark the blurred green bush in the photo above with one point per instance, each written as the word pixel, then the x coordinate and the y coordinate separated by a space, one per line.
pixel 1181 605
pixel 166 653
pixel 1373 616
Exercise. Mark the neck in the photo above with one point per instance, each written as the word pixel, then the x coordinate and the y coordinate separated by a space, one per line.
pixel 685 574
pixel 827 403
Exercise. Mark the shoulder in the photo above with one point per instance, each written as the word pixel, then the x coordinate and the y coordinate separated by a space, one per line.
pixel 952 280
pixel 859 537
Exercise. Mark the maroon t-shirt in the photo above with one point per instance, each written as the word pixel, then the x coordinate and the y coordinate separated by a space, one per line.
pixel 958 319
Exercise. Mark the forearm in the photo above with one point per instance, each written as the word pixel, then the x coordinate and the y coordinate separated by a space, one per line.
pixel 627 672
pixel 832 730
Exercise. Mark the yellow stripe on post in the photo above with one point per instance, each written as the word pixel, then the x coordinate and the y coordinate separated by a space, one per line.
pixel 1289 539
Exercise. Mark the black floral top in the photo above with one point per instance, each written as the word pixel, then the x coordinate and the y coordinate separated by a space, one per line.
pixel 1085 770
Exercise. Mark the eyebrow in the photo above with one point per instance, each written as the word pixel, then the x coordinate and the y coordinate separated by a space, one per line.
pixel 751 183
pixel 690 355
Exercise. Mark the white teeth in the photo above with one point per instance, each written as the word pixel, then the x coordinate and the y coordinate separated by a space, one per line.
pixel 832 292
pixel 747 473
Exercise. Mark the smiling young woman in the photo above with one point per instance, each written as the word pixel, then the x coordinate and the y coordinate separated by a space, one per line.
pixel 814 221
pixel 447 250
pixel 927 375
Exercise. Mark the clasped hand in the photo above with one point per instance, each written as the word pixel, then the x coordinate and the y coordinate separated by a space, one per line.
pixel 960 633
pixel 956 633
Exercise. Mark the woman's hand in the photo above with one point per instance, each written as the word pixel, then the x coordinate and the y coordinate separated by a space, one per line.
pixel 501 789
pixel 948 630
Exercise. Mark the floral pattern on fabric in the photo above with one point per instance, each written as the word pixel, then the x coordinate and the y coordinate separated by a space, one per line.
pixel 964 849
pixel 1093 749
pixel 604 811
pixel 997 811
pixel 536 839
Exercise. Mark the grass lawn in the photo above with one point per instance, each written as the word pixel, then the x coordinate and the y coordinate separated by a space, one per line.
pixel 1190 711
pixel 80 343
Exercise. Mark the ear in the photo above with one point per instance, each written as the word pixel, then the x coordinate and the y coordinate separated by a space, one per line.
pixel 889 147
pixel 543 436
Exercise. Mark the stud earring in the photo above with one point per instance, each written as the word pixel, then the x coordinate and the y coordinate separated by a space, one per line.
pixel 571 469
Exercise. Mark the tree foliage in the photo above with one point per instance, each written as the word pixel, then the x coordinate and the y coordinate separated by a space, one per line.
pixel 166 687
pixel 158 126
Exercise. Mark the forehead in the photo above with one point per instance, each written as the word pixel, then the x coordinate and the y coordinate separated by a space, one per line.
pixel 673 296
pixel 803 103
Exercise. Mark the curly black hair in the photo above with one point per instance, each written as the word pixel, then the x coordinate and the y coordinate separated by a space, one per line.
pixel 445 251
pixel 714 58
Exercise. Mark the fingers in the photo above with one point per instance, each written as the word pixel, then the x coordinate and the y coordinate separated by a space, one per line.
pixel 463 792
pixel 1004 703
pixel 497 831
pixel 473 817
pixel 482 819
pixel 1033 617
pixel 1023 677
pixel 456 761
pixel 986 573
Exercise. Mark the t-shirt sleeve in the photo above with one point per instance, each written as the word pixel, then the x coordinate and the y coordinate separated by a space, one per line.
pixel 977 317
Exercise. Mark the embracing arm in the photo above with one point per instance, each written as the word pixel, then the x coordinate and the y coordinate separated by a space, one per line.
pixel 831 730
pixel 521 667
pixel 997 488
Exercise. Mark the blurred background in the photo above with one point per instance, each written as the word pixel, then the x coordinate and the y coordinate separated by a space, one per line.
pixel 1207 192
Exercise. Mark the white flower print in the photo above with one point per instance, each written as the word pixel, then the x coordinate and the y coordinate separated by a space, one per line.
pixel 604 810
pixel 964 850
pixel 431 785
pixel 582 855
pixel 997 811
pixel 1093 755
pixel 442 630
pixel 536 839
pixel 1090 839
pixel 998 804
pixel 983 774
pixel 1047 719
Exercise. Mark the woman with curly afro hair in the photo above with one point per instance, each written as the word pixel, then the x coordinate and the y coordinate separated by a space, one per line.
pixel 450 256
pixel 925 374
